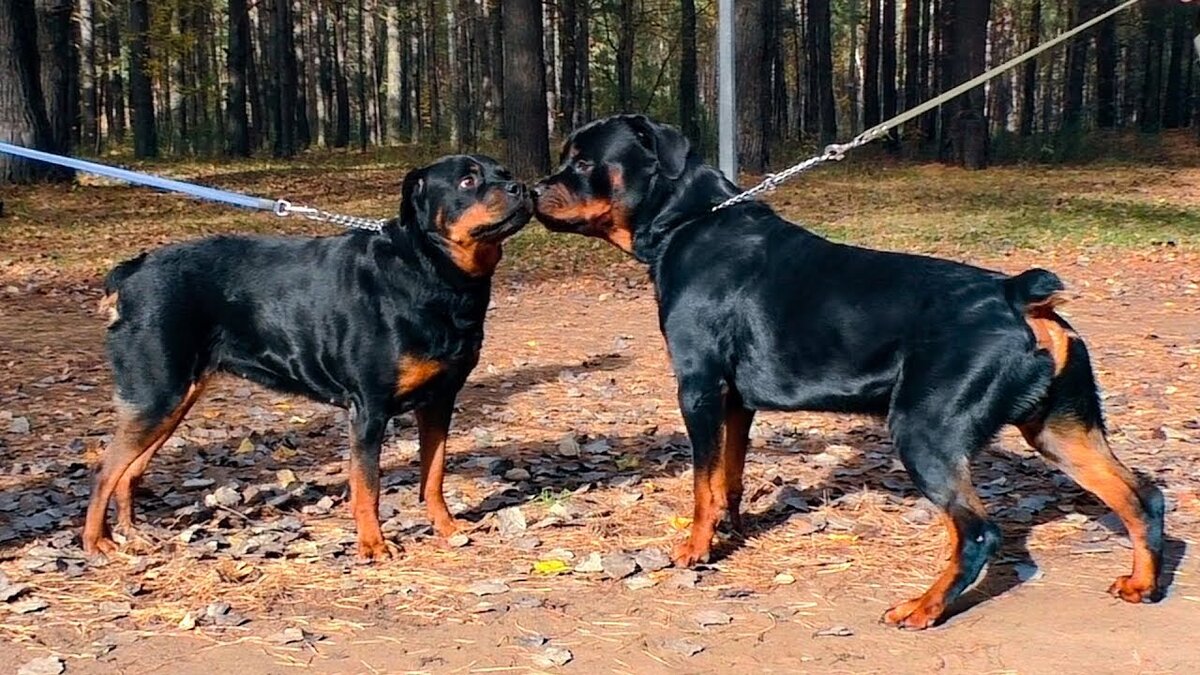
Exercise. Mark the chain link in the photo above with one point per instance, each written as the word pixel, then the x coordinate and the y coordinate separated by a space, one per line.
pixel 284 208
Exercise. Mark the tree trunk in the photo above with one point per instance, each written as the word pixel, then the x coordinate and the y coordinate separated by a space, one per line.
pixel 88 99
pixel 300 74
pixel 364 133
pixel 1077 57
pixel 238 124
pixel 395 83
pixel 176 129
pixel 912 58
pixel 115 94
pixel 525 125
pixel 141 92
pixel 496 57
pixel 967 42
pixel 1175 103
pixel 1153 25
pixel 1029 77
pixel 1107 105
pixel 688 121
pixel 23 118
pixel 55 46
pixel 752 69
pixel 285 63
pixel 583 61
pixel 324 73
pixel 819 33
pixel 341 134
pixel 855 77
pixel 887 73
pixel 568 75
pixel 626 33
pixel 432 64
pixel 871 70
pixel 454 77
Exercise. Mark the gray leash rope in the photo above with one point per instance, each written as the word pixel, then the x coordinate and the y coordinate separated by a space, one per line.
pixel 284 208
pixel 838 151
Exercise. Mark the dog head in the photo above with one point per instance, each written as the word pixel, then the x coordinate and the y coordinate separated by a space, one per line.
pixel 468 205
pixel 614 175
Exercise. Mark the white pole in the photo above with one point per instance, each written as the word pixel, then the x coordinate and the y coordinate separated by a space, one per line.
pixel 726 104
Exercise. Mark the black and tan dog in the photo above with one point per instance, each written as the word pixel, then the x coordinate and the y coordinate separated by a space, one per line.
pixel 377 323
pixel 760 314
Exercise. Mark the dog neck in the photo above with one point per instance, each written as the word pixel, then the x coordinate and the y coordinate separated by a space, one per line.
pixel 672 203
pixel 410 236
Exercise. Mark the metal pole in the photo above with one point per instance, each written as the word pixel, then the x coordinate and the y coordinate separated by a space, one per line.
pixel 726 104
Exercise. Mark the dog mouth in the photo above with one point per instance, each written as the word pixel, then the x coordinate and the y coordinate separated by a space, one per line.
pixel 506 227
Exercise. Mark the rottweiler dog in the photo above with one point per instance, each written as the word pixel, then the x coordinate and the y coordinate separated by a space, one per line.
pixel 376 323
pixel 761 314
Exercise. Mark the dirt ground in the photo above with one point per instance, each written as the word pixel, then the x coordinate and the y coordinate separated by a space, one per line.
pixel 568 446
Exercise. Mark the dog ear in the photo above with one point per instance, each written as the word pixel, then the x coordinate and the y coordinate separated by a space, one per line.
pixel 665 141
pixel 412 196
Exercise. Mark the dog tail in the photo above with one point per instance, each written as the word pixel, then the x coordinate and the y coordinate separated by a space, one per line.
pixel 1035 291
pixel 118 275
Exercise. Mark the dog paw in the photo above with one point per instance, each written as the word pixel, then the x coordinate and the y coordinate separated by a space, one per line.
pixel 917 614
pixel 448 527
pixel 1134 590
pixel 373 550
pixel 688 553
pixel 99 546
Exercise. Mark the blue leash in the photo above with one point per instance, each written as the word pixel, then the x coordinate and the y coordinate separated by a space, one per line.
pixel 279 207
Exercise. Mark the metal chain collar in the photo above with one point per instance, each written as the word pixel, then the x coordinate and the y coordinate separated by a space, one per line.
pixel 284 208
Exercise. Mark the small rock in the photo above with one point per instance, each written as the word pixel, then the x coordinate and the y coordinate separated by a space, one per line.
pixel 511 521
pixel 115 610
pixel 783 579
pixel 553 656
pixel 47 665
pixel 28 606
pixel 290 636
pixel 13 591
pixel 198 483
pixel 712 617
pixel 619 565
pixel 458 540
pixel 19 425
pixel 591 564
pixel 531 641
pixel 652 559
pixel 516 475
pixel 683 579
pixel 640 582
pixel 834 631
pixel 568 446
pixel 482 588
pixel 683 646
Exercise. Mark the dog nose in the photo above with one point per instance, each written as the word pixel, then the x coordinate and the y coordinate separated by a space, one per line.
pixel 539 189
pixel 515 189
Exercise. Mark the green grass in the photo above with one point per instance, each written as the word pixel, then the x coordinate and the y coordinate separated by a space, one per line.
pixel 869 200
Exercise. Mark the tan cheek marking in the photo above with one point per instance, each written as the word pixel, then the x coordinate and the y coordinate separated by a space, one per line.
pixel 414 372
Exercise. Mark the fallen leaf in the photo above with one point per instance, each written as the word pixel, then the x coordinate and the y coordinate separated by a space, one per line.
pixel 834 631
pixel 551 567
pixel 680 523
pixel 591 564
pixel 783 579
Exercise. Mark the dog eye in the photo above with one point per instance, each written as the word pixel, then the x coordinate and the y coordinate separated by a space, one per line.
pixel 467 183
pixel 583 166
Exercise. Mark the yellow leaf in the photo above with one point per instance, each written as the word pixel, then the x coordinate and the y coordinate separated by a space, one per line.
pixel 551 567
pixel 532 343
pixel 246 447
pixel 680 523
pixel 283 453
pixel 843 537
pixel 626 462
pixel 298 420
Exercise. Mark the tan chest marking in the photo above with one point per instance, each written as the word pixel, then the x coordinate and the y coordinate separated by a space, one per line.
pixel 415 372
